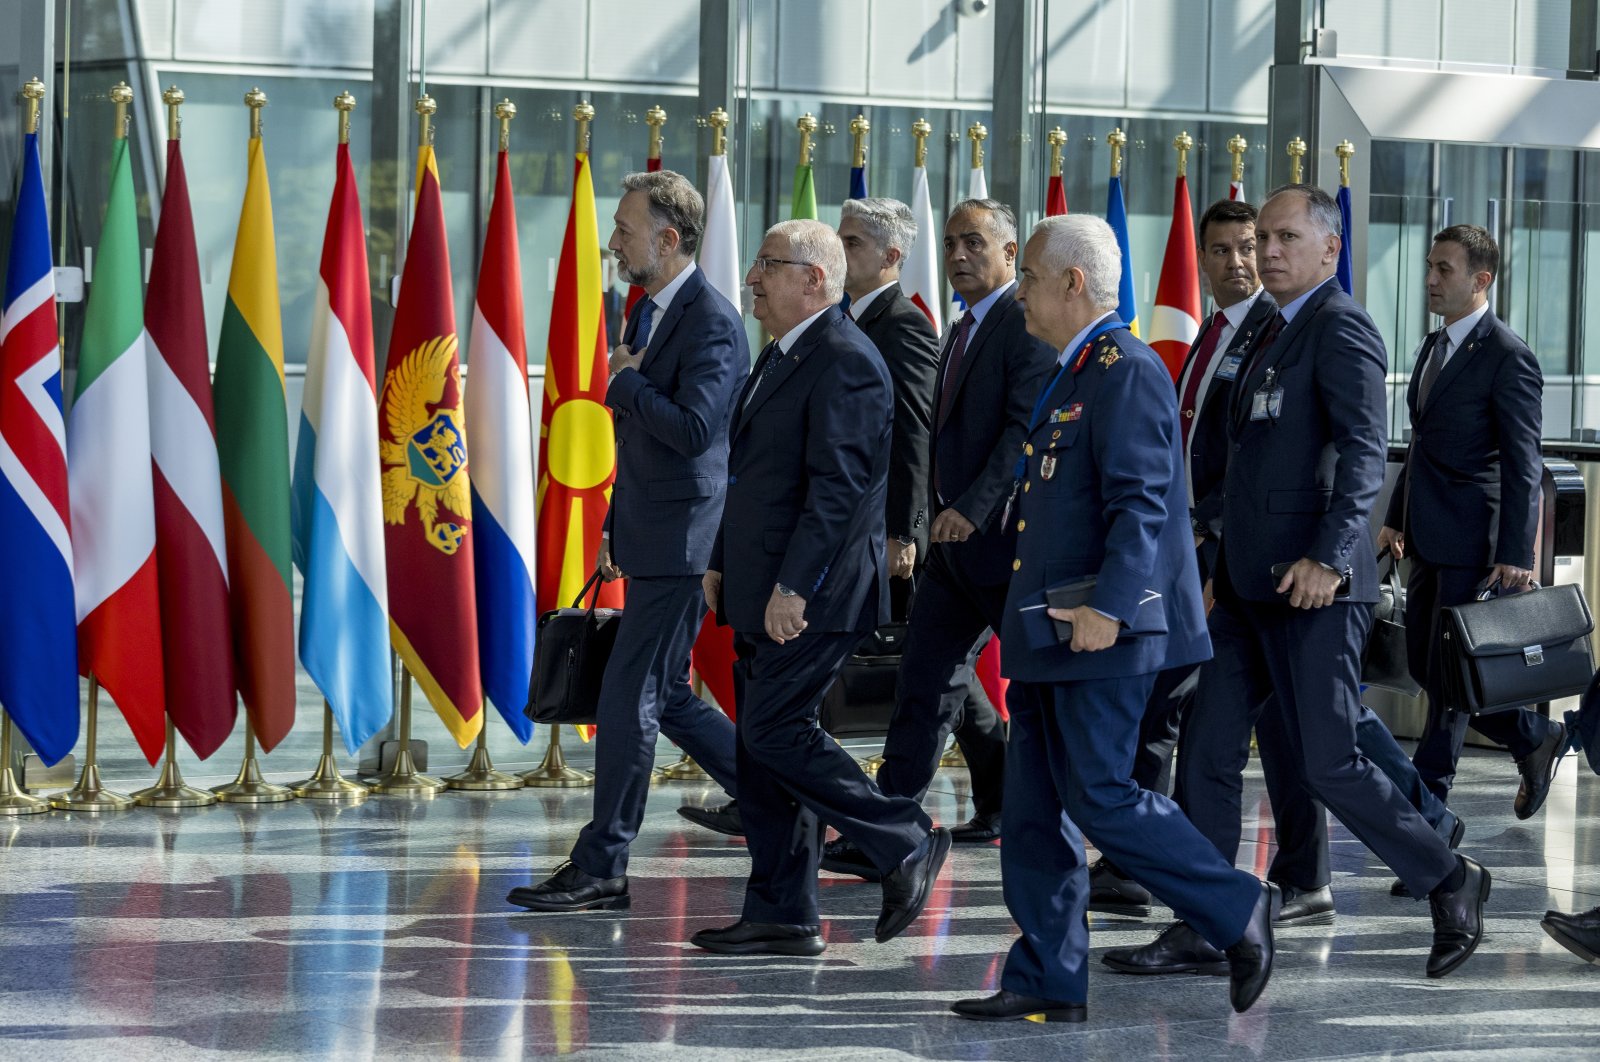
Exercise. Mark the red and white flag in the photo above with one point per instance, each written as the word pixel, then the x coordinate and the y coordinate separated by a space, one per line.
pixel 1236 190
pixel 1176 320
pixel 191 550
pixel 919 279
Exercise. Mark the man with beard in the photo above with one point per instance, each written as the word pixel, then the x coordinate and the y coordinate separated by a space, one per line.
pixel 673 379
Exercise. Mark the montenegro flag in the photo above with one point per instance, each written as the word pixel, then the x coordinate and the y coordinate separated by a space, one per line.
pixel 427 501
pixel 577 446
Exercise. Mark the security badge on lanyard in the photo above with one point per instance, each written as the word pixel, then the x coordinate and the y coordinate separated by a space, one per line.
pixel 1267 402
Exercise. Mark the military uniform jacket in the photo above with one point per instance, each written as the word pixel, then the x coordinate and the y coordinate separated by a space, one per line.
pixel 1103 496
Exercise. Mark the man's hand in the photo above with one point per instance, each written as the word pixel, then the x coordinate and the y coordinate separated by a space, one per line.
pixel 950 526
pixel 1091 632
pixel 1391 541
pixel 902 559
pixel 609 572
pixel 1207 596
pixel 711 586
pixel 785 616
pixel 623 358
pixel 1309 584
pixel 1197 540
pixel 1510 577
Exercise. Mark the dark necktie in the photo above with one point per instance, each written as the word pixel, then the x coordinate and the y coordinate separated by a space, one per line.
pixel 1197 374
pixel 641 334
pixel 1431 371
pixel 952 369
pixel 770 357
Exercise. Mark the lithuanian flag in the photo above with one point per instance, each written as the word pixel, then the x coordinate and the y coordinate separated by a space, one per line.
pixel 427 501
pixel 253 450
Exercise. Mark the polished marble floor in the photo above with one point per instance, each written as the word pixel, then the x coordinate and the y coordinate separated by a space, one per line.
pixel 293 931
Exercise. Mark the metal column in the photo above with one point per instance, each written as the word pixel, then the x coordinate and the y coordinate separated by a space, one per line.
pixel 1015 178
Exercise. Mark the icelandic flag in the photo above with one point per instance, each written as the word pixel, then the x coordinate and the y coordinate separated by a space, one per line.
pixel 502 467
pixel 38 618
pixel 337 501
pixel 1347 273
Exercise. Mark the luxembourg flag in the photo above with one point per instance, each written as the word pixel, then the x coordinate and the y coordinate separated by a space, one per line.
pixel 337 498
pixel 920 277
pixel 501 422
pixel 38 624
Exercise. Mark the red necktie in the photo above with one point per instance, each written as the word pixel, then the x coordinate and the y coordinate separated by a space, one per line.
pixel 958 350
pixel 1197 375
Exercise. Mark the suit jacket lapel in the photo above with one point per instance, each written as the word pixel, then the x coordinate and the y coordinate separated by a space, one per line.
pixel 979 336
pixel 1414 388
pixel 787 364
pixel 878 308
pixel 1460 357
pixel 1274 354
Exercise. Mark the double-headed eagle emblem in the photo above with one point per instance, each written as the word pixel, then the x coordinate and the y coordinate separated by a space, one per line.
pixel 425 453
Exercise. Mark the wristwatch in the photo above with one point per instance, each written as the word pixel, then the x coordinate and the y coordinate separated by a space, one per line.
pixel 904 540
pixel 784 591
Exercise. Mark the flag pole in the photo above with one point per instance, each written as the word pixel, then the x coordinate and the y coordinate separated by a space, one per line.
pixel 403 779
pixel 89 794
pixel 1297 152
pixel 1345 151
pixel 859 127
pixel 1057 138
pixel 1237 145
pixel 977 133
pixel 655 118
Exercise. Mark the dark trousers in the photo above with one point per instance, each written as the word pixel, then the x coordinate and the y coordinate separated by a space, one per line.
pixel 1306 664
pixel 1429 589
pixel 794 779
pixel 646 691
pixel 1069 769
pixel 1158 729
pixel 938 691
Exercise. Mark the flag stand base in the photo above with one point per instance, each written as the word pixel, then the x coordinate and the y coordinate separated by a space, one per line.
pixel 480 775
pixel 953 757
pixel 871 763
pixel 684 770
pixel 554 773
pixel 13 801
pixel 403 779
pixel 170 790
pixel 326 785
pixel 249 787
pixel 89 794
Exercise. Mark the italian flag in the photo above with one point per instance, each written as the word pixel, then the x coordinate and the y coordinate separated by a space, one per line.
pixel 109 480
pixel 253 449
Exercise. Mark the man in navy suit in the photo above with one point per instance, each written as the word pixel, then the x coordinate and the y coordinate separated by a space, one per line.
pixel 672 386
pixel 1296 580
pixel 1099 510
pixel 1465 506
pixel 990 371
pixel 799 571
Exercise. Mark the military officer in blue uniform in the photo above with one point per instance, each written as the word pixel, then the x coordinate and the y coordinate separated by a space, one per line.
pixel 1103 545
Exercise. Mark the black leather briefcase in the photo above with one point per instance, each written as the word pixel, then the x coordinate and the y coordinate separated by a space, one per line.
pixel 570 653
pixel 1506 652
pixel 1385 664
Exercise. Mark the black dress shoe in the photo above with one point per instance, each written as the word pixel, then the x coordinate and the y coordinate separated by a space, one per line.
pixel 1305 907
pixel 1111 893
pixel 571 889
pixel 907 887
pixel 761 938
pixel 1009 1006
pixel 1578 933
pixel 1458 830
pixel 724 819
pixel 1250 957
pixel 980 829
pixel 1457 919
pixel 843 857
pixel 1179 949
pixel 1538 770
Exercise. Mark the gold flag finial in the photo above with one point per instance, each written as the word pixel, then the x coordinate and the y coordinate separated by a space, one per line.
pixel 121 95
pixel 1237 146
pixel 655 118
pixel 255 99
pixel 921 130
pixel 718 120
pixel 426 107
pixel 1345 150
pixel 33 92
pixel 1057 139
pixel 859 128
pixel 1297 151
pixel 173 98
pixel 977 134
pixel 808 128
pixel 1117 139
pixel 1183 143
pixel 505 110
pixel 583 114
pixel 344 103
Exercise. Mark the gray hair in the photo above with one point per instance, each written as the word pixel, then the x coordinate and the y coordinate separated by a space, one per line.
pixel 1002 222
pixel 674 202
pixel 889 222
pixel 816 244
pixel 1085 242
pixel 1320 207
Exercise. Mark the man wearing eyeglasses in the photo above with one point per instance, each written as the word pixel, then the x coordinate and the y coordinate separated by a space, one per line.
pixel 799 571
